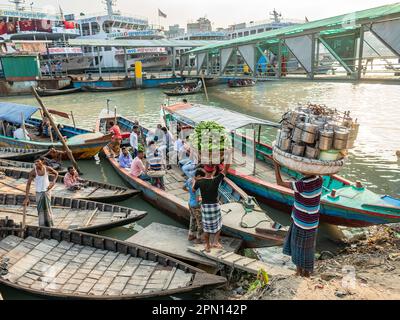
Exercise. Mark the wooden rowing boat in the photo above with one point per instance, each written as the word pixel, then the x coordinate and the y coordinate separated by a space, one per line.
pixel 237 84
pixel 172 85
pixel 350 205
pixel 175 93
pixel 65 264
pixel 104 89
pixel 51 92
pixel 19 154
pixel 25 166
pixel 237 221
pixel 15 181
pixel 84 144
pixel 71 214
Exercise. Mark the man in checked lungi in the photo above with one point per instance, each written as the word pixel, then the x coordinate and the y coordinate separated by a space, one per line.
pixel 302 237
pixel 40 174
pixel 210 207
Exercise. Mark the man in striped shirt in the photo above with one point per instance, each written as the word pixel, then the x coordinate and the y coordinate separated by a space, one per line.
pixel 301 241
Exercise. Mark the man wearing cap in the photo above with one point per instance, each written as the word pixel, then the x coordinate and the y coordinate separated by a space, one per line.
pixel 210 207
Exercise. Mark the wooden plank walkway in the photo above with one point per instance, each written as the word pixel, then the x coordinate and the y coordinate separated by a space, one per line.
pixel 173 241
pixel 237 261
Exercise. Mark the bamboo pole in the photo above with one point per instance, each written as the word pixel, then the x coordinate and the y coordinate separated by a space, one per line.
pixel 205 87
pixel 23 221
pixel 73 119
pixel 46 112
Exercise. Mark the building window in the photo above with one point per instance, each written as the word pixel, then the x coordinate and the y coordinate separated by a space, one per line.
pixel 260 30
pixel 240 34
pixel 246 33
pixel 253 32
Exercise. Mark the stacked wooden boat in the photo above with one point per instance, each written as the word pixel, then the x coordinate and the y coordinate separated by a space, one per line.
pixel 70 214
pixel 73 265
pixel 20 154
pixel 15 180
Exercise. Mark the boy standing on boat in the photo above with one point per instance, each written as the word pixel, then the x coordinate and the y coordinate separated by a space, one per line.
pixel 210 207
pixel 302 237
pixel 196 227
pixel 43 186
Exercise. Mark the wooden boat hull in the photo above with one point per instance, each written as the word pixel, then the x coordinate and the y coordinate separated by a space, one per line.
pixel 19 154
pixel 172 85
pixel 80 151
pixel 175 277
pixel 71 214
pixel 100 192
pixel 51 92
pixel 25 166
pixel 104 89
pixel 178 94
pixel 178 209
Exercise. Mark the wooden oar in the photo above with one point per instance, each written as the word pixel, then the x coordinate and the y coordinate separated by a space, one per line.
pixel 23 221
pixel 11 186
pixel 91 217
pixel 47 113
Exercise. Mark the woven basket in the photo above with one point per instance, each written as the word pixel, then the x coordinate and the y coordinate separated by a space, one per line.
pixel 307 166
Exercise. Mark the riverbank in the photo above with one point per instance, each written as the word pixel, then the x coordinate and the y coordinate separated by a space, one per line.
pixel 366 267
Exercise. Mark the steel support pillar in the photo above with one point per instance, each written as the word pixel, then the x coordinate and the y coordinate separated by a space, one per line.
pixel 360 53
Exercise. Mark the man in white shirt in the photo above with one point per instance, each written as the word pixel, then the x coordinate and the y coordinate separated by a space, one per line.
pixel 21 134
pixel 134 141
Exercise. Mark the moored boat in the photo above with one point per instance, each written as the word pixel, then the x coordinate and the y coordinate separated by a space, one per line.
pixel 174 201
pixel 177 93
pixel 241 83
pixel 25 166
pixel 15 180
pixel 73 265
pixel 20 154
pixel 343 202
pixel 70 214
pixel 84 144
pixel 174 84
pixel 104 89
pixel 51 92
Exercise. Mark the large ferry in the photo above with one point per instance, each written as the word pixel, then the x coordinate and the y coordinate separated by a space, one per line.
pixel 47 31
pixel 113 26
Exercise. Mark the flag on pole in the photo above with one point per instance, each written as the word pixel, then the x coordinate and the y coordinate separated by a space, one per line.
pixel 161 14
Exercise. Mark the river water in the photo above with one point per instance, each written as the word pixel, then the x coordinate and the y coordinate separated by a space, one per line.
pixel 373 161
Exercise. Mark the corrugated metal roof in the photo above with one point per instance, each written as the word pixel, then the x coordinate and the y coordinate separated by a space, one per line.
pixel 338 22
pixel 141 43
pixel 231 120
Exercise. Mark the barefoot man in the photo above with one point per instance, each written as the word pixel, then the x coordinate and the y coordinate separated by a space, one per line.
pixel 210 207
pixel 40 174
pixel 302 237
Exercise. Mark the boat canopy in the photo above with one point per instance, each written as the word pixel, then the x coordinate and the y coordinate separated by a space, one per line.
pixel 14 112
pixel 231 120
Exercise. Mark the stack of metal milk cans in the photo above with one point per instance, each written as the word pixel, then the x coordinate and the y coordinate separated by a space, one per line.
pixel 317 132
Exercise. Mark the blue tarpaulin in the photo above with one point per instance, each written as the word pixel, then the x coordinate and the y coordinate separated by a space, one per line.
pixel 11 112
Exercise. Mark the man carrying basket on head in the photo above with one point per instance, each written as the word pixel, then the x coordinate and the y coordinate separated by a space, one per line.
pixel 302 237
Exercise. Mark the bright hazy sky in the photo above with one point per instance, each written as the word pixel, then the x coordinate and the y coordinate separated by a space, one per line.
pixel 220 12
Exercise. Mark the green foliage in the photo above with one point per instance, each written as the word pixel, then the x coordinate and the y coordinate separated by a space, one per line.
pixel 210 136
pixel 261 282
